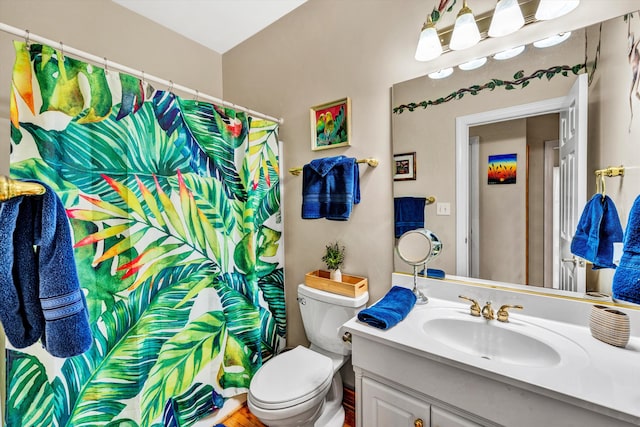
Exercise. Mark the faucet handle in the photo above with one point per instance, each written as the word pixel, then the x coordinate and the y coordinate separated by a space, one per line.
pixel 487 311
pixel 503 314
pixel 475 307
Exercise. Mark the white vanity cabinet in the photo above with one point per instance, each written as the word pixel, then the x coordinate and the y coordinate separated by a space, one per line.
pixel 384 406
pixel 401 383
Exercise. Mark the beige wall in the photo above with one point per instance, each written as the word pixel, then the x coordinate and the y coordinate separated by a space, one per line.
pixel 105 29
pixel 503 208
pixel 322 51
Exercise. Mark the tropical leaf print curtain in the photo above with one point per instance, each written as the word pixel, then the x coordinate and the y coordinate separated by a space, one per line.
pixel 174 206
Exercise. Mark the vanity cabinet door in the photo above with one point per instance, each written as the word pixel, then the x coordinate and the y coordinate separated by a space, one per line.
pixel 383 406
pixel 442 418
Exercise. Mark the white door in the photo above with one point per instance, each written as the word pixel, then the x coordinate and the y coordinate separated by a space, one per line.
pixel 573 181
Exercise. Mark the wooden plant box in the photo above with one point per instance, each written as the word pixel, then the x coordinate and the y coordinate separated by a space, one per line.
pixel 351 286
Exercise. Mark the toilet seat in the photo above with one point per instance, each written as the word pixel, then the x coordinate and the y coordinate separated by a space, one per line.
pixel 291 378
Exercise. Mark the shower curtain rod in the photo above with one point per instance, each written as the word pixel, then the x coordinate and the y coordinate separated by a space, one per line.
pixel 28 36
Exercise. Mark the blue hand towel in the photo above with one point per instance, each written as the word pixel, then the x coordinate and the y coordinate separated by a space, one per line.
pixel 598 229
pixel 626 280
pixel 408 214
pixel 40 295
pixel 390 310
pixel 330 188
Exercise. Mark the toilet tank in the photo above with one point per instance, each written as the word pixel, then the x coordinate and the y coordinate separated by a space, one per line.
pixel 323 313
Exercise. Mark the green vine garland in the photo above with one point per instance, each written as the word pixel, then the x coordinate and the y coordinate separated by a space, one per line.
pixel 519 80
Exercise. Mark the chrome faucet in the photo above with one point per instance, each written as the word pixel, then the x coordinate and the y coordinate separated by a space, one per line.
pixel 487 311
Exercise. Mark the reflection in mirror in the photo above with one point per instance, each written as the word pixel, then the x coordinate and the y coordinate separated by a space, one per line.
pixel 416 248
pixel 431 133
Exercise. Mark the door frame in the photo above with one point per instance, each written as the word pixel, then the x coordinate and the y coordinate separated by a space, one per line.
pixel 463 123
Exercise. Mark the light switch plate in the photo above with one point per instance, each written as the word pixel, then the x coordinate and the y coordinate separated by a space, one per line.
pixel 443 209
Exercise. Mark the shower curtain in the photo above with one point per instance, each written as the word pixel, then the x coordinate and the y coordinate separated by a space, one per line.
pixel 174 206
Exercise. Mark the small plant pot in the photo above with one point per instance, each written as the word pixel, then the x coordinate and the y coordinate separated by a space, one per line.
pixel 336 275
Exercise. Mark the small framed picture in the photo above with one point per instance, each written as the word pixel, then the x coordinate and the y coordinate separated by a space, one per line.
pixel 331 125
pixel 404 166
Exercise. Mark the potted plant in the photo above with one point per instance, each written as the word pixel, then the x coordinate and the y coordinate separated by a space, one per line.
pixel 333 258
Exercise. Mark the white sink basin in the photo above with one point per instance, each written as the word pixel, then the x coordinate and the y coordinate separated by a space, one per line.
pixel 514 343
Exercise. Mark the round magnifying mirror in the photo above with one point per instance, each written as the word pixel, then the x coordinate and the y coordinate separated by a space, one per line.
pixel 416 247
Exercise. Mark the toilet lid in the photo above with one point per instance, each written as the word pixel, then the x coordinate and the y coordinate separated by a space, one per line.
pixel 290 378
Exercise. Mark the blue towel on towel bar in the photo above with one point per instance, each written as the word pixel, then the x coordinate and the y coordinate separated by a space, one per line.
pixel 626 280
pixel 408 214
pixel 40 295
pixel 598 229
pixel 330 188
pixel 390 310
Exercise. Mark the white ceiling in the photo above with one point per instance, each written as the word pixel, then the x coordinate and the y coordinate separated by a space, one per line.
pixel 217 24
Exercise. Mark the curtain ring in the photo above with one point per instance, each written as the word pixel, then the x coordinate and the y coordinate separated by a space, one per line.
pixel 143 82
pixel 26 39
pixel 62 49
pixel 197 95
pixel 171 86
pixel 106 66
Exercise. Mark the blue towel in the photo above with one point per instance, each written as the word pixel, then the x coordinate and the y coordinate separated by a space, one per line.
pixel 330 188
pixel 598 229
pixel 408 214
pixel 40 295
pixel 390 310
pixel 626 280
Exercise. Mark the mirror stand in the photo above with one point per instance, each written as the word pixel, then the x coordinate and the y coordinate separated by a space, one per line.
pixel 420 297
pixel 416 247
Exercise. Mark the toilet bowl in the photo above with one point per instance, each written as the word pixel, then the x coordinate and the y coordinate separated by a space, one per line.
pixel 303 386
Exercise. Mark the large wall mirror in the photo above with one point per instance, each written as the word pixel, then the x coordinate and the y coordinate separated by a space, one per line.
pixel 512 231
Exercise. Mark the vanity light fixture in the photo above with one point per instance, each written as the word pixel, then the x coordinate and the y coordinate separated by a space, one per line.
pixel 509 53
pixel 507 18
pixel 445 72
pixel 553 40
pixel 551 9
pixel 465 30
pixel 429 46
pixel 473 64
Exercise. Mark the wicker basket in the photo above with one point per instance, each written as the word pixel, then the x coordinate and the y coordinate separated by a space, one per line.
pixel 609 325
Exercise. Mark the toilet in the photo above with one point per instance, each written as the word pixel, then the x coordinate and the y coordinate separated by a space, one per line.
pixel 303 386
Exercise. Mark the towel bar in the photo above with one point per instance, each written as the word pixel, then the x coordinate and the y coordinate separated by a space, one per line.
pixel 370 161
pixel 10 188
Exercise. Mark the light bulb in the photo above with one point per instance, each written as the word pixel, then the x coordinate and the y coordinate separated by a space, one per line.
pixel 446 72
pixel 507 18
pixel 465 31
pixel 551 9
pixel 429 46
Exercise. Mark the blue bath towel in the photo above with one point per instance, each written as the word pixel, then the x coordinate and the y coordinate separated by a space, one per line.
pixel 330 188
pixel 626 280
pixel 408 214
pixel 390 310
pixel 40 295
pixel 598 229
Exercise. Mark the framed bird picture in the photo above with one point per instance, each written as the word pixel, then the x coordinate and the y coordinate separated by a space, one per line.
pixel 331 125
